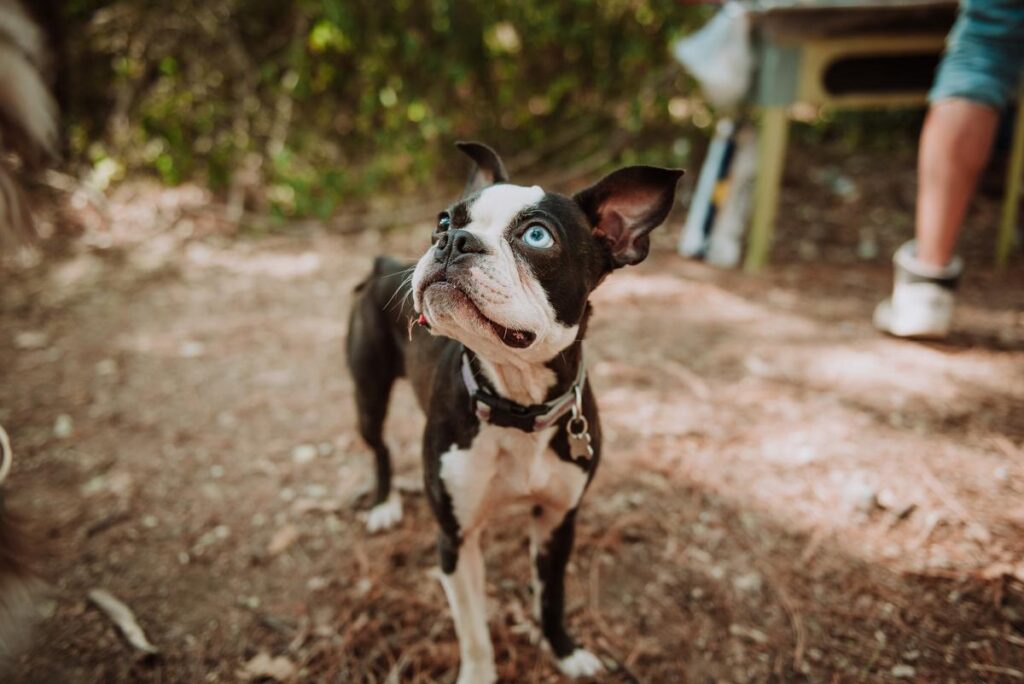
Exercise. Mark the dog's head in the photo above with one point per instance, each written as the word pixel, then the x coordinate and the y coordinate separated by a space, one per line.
pixel 511 267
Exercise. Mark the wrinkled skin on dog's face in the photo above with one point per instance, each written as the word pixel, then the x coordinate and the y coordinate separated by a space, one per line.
pixel 511 267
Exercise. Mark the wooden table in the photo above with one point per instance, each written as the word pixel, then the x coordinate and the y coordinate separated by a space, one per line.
pixel 847 54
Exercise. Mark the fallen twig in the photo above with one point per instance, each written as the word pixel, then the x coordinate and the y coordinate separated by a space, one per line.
pixel 796 620
pixel 124 619
pixel 997 669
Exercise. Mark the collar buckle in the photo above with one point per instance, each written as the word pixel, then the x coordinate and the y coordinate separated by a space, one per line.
pixel 504 413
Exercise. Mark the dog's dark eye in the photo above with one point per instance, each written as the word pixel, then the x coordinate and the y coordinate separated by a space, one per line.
pixel 444 222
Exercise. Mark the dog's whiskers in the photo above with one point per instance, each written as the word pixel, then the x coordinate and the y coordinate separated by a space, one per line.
pixel 403 286
pixel 403 272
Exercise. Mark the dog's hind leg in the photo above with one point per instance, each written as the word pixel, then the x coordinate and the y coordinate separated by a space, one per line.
pixel 375 363
pixel 552 534
pixel 462 576
pixel 386 510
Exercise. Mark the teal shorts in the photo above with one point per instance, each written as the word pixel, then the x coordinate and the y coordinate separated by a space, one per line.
pixel 984 54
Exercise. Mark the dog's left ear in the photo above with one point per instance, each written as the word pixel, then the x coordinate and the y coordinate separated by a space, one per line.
pixel 488 168
pixel 626 205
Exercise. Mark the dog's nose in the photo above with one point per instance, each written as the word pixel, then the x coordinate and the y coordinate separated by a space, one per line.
pixel 453 244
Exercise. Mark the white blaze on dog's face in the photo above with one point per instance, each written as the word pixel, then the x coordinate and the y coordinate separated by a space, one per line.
pixel 512 267
pixel 483 268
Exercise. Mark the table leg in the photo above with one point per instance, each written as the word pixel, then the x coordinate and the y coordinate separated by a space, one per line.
pixel 1011 201
pixel 771 153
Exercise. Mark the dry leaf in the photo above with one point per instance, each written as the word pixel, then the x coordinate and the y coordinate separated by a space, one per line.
pixel 264 667
pixel 283 539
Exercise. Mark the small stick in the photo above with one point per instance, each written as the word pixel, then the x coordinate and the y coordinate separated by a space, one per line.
pixel 996 669
pixel 124 619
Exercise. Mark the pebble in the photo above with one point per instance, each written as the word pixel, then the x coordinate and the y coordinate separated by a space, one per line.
pixel 190 349
pixel 978 533
pixel 31 339
pixel 750 582
pixel 316 491
pixel 859 494
pixel 902 671
pixel 63 426
pixel 106 367
pixel 317 583
pixel 304 453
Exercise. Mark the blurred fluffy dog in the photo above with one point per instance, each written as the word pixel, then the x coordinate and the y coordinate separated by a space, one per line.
pixel 28 128
pixel 28 113
pixel 17 583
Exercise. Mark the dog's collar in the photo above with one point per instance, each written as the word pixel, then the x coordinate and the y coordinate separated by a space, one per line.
pixel 503 412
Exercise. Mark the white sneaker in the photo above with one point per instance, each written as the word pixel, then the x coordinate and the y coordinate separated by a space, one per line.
pixel 922 298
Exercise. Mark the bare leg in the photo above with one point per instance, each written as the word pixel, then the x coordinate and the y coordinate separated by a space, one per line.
pixel 954 148
pixel 464 586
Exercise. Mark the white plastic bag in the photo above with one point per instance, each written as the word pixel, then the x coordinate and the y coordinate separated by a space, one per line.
pixel 719 56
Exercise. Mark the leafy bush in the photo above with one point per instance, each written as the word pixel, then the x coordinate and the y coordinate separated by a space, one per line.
pixel 328 102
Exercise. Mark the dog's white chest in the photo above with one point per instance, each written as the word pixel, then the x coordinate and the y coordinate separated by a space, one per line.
pixel 504 467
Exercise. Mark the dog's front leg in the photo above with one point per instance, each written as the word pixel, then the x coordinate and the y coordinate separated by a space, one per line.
pixel 552 535
pixel 462 568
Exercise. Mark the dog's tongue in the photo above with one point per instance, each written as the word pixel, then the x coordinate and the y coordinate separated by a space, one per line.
pixel 413 322
pixel 518 339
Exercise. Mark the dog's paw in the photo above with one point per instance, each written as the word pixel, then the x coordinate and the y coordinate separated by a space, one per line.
pixel 580 663
pixel 385 515
pixel 476 673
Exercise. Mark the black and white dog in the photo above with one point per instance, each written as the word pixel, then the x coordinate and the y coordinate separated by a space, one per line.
pixel 496 362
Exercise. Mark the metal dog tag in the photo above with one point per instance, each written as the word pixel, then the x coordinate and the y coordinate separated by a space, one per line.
pixel 579 439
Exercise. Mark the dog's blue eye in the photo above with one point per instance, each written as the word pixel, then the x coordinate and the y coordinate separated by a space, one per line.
pixel 443 222
pixel 538 237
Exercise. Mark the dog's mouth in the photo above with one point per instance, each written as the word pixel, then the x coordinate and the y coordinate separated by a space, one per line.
pixel 511 337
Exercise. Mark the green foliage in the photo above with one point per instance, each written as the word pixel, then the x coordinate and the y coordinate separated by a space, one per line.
pixel 328 101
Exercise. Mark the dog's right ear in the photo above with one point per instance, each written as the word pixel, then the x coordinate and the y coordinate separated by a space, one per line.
pixel 487 170
pixel 625 206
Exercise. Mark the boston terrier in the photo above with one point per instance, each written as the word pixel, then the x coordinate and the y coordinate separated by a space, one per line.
pixel 493 346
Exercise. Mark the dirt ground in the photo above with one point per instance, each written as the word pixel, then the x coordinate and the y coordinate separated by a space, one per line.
pixel 785 495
